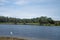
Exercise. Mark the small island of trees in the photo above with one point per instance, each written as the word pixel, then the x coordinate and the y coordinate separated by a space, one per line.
pixel 42 21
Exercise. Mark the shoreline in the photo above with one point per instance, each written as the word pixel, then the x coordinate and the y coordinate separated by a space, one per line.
pixel 29 24
pixel 23 38
pixel 10 38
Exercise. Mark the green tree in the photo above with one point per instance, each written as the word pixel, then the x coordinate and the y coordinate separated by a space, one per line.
pixel 50 21
pixel 43 20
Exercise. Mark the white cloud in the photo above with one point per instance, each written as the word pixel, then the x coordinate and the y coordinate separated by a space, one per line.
pixel 2 2
pixel 28 11
pixel 23 2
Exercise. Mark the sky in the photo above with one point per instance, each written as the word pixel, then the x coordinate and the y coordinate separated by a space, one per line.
pixel 30 8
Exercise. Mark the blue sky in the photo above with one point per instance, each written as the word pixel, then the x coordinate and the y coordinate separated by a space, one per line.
pixel 30 8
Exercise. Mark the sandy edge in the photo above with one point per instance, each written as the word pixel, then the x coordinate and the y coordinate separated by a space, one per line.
pixel 27 38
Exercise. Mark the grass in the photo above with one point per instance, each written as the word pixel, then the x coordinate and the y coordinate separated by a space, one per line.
pixel 9 38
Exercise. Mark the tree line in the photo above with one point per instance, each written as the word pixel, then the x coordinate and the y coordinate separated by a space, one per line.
pixel 40 20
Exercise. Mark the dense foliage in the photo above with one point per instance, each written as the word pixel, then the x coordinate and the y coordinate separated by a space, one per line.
pixel 39 20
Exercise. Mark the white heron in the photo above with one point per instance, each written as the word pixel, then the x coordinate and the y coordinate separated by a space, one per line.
pixel 11 35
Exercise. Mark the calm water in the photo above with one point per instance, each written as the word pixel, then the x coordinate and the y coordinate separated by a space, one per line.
pixel 52 33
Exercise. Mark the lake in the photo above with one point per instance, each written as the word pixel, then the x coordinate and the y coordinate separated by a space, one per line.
pixel 32 31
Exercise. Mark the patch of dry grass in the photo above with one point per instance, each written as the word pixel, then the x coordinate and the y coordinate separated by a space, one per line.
pixel 9 38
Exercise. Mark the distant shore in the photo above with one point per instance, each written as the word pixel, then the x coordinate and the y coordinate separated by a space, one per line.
pixel 42 21
pixel 28 24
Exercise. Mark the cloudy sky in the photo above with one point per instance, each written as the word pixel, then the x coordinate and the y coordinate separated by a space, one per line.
pixel 30 8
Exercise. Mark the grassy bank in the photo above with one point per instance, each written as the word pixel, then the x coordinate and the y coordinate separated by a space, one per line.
pixel 30 24
pixel 9 38
pixel 22 23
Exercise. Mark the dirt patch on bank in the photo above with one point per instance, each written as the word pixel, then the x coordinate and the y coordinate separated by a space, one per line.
pixel 10 38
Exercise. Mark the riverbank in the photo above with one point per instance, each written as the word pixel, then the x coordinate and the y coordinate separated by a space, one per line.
pixel 10 38
pixel 21 38
pixel 29 24
pixel 21 23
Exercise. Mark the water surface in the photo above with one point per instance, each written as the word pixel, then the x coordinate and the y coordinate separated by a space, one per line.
pixel 33 31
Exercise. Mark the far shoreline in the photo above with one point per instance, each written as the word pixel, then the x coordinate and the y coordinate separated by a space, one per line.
pixel 28 24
